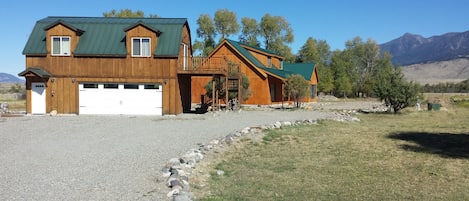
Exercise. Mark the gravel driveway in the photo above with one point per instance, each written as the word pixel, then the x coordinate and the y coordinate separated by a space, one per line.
pixel 108 157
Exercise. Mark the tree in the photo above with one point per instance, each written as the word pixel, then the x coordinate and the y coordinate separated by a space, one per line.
pixel 297 87
pixel 396 92
pixel 317 51
pixel 205 31
pixel 226 23
pixel 249 31
pixel 340 63
pixel 277 33
pixel 308 53
pixel 127 13
pixel 220 87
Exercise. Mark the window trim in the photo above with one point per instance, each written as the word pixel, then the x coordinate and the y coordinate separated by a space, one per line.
pixel 141 47
pixel 61 51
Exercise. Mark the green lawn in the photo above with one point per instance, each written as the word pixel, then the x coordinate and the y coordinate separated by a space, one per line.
pixel 410 156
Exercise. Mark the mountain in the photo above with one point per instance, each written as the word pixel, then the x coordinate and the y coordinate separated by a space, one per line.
pixel 5 77
pixel 414 49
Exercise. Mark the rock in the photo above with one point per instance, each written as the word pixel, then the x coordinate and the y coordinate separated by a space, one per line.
pixel 220 172
pixel 229 139
pixel 183 196
pixel 174 162
pixel 192 155
pixel 171 179
pixel 287 123
pixel 172 193
pixel 176 184
pixel 215 142
pixel 245 131
pixel 277 124
pixel 53 113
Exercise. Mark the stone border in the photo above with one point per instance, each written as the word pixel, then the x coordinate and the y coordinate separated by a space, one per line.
pixel 177 170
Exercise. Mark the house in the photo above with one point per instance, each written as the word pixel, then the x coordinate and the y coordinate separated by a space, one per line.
pixel 265 70
pixel 96 65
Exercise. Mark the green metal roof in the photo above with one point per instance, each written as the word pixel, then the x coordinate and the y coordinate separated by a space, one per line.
pixel 35 70
pixel 304 69
pixel 246 54
pixel 106 36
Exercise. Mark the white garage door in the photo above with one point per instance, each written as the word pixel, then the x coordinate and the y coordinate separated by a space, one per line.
pixel 129 98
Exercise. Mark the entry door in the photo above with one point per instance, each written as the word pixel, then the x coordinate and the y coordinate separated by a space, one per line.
pixel 38 98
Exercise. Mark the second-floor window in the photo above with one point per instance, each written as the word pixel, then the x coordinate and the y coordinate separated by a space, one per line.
pixel 60 45
pixel 140 47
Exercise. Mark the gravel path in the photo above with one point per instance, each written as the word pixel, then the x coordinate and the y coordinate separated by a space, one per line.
pixel 108 157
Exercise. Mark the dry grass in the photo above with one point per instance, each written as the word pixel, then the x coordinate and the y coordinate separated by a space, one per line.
pixel 412 156
pixel 15 105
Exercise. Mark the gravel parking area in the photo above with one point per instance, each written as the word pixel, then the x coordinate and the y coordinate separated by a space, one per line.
pixel 109 157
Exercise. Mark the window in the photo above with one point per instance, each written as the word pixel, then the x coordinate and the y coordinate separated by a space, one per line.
pixel 130 86
pixel 185 59
pixel 111 86
pixel 151 86
pixel 313 91
pixel 269 62
pixel 60 45
pixel 141 47
pixel 90 86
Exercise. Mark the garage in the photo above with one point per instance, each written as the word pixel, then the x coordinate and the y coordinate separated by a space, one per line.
pixel 121 98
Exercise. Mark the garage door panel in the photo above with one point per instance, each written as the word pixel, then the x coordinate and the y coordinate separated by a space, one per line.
pixel 121 101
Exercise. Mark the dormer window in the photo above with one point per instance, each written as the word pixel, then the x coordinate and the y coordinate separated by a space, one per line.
pixel 269 62
pixel 141 47
pixel 60 45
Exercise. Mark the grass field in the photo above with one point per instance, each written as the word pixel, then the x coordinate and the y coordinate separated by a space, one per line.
pixel 411 156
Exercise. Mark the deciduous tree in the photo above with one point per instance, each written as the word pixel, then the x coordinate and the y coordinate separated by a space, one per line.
pixel 127 13
pixel 205 31
pixel 392 88
pixel 277 33
pixel 226 23
pixel 249 31
pixel 297 87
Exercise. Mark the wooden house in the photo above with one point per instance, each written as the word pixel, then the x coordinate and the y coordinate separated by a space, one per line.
pixel 96 65
pixel 265 70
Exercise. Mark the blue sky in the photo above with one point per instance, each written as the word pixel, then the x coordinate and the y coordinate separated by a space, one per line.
pixel 335 21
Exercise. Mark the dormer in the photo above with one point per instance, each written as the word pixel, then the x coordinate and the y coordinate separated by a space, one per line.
pixel 268 58
pixel 141 39
pixel 61 38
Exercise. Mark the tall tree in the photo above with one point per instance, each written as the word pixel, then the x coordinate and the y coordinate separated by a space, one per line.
pixel 317 51
pixel 205 31
pixel 340 67
pixel 277 33
pixel 226 23
pixel 365 59
pixel 127 13
pixel 249 31
pixel 308 53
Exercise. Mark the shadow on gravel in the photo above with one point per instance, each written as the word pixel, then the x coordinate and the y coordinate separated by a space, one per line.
pixel 451 145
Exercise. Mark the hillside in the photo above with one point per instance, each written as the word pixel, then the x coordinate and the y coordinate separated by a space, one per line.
pixel 414 49
pixel 8 78
pixel 455 70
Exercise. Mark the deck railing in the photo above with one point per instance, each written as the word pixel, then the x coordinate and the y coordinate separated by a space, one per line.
pixel 211 64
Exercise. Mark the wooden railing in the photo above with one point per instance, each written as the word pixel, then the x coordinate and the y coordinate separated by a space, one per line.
pixel 218 65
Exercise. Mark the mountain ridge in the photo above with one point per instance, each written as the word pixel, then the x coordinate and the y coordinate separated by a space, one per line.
pixel 5 77
pixel 415 49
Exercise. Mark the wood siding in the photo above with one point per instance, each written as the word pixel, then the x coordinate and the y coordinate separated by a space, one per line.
pixel 258 84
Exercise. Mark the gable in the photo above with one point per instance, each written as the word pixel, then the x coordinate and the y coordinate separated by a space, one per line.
pixel 107 36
